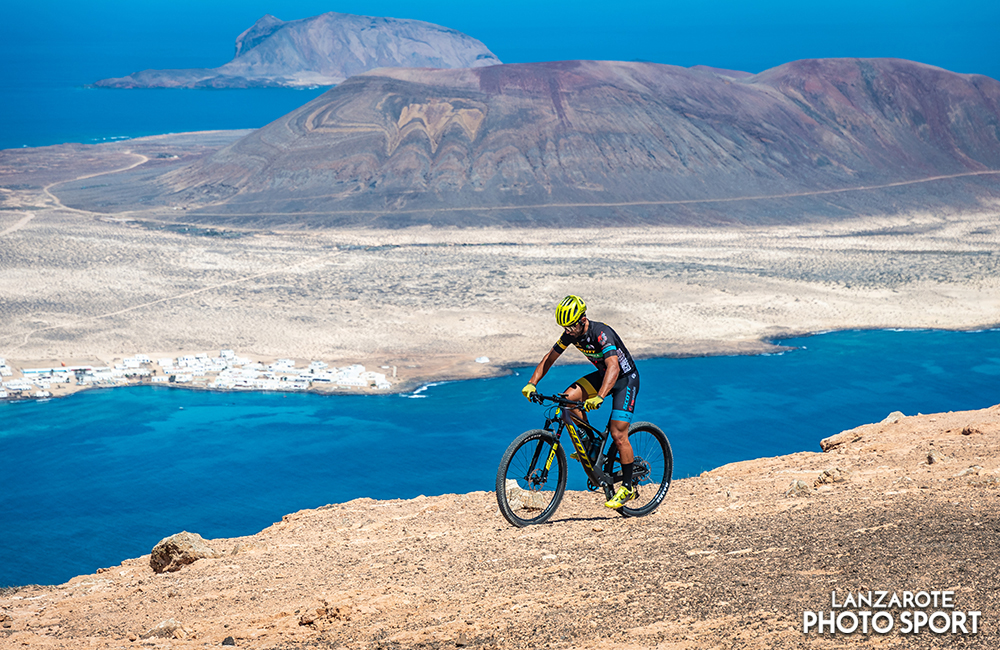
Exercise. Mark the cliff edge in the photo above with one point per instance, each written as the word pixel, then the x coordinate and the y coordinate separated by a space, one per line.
pixel 734 558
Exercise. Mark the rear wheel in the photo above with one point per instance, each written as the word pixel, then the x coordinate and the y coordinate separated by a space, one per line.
pixel 531 479
pixel 651 470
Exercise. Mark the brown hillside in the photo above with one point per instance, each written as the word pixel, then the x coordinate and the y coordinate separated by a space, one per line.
pixel 729 561
pixel 605 143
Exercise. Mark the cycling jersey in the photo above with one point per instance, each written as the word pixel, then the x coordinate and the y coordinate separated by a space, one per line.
pixel 599 342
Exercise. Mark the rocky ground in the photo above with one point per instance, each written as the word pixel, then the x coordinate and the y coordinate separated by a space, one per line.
pixel 732 559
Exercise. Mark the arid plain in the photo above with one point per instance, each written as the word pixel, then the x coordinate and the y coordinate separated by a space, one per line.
pixel 87 286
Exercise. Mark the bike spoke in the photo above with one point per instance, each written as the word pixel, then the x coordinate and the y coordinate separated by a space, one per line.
pixel 531 480
pixel 651 470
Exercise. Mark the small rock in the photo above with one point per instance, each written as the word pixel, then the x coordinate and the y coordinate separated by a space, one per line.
pixel 893 418
pixel 971 430
pixel 177 551
pixel 229 641
pixel 933 457
pixel 835 475
pixel 969 471
pixel 798 489
pixel 317 616
pixel 167 629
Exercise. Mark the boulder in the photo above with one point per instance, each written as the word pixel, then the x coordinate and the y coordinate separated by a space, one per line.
pixel 893 418
pixel 168 629
pixel 798 489
pixel 519 498
pixel 177 551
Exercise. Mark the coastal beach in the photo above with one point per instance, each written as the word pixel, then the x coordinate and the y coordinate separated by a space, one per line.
pixel 78 285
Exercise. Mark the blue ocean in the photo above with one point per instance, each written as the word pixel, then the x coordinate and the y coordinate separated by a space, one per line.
pixel 47 99
pixel 101 476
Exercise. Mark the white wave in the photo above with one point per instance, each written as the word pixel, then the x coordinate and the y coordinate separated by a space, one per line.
pixel 417 393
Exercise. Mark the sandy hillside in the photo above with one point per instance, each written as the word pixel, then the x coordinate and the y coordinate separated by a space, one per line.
pixel 730 561
pixel 78 285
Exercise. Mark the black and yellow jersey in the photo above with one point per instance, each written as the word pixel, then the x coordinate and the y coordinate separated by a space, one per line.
pixel 598 342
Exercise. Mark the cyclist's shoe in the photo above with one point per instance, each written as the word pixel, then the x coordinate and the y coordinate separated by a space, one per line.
pixel 623 495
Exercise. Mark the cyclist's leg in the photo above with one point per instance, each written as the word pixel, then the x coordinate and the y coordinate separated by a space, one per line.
pixel 583 388
pixel 622 407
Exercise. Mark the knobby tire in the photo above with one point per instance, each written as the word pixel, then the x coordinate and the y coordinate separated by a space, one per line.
pixel 530 501
pixel 651 447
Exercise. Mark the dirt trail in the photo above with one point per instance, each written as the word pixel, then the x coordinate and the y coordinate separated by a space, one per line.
pixel 47 190
pixel 55 204
pixel 20 224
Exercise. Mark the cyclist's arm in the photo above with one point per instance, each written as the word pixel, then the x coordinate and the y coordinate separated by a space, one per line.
pixel 611 372
pixel 544 365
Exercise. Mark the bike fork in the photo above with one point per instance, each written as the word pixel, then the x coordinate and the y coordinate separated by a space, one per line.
pixel 534 463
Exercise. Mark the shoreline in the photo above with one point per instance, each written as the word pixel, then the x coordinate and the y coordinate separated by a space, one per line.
pixel 421 381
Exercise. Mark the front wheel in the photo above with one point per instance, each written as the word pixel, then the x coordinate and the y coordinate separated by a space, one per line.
pixel 531 479
pixel 651 470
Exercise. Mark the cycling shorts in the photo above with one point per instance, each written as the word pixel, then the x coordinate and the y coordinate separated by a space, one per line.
pixel 622 395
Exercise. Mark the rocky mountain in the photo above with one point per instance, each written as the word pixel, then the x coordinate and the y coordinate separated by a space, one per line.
pixel 595 142
pixel 322 51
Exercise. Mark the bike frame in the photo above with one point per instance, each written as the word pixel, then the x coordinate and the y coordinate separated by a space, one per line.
pixel 565 420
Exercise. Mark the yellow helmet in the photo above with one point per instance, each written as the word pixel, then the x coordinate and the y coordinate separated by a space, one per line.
pixel 570 310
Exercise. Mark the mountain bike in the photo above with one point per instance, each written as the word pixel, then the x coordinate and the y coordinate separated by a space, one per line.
pixel 531 479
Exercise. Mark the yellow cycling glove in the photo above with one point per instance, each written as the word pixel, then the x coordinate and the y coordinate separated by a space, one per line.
pixel 593 403
pixel 528 391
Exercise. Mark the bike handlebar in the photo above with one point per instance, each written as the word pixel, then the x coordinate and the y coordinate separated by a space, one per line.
pixel 560 399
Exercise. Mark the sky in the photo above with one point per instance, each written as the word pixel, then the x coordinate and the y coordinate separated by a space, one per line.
pixel 960 35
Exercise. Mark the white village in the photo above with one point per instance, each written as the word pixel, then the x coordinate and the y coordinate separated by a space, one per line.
pixel 223 371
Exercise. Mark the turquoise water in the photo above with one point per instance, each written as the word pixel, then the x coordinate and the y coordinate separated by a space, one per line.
pixel 101 476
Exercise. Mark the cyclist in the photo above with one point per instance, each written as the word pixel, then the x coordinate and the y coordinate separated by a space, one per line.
pixel 616 375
